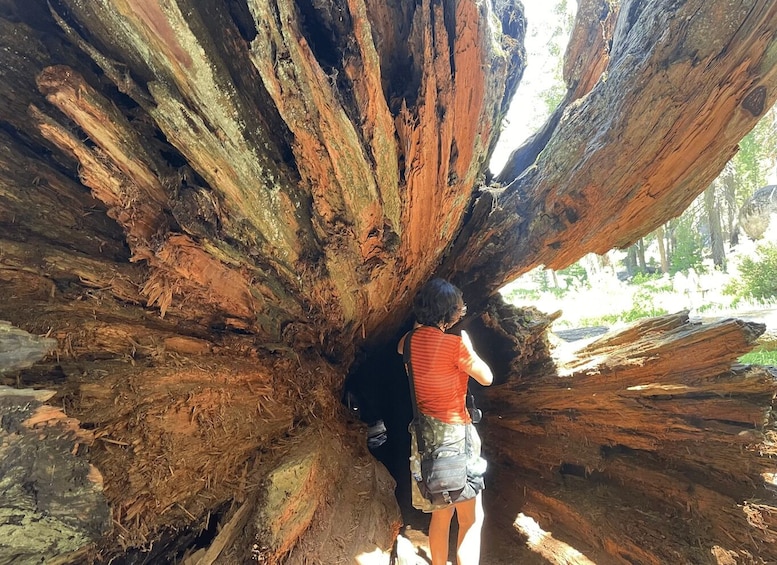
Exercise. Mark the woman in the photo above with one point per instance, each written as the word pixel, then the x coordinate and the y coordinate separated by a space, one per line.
pixel 441 365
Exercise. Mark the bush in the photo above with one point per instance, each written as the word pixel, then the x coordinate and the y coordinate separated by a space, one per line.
pixel 709 307
pixel 642 278
pixel 522 295
pixel 652 282
pixel 575 273
pixel 642 307
pixel 688 249
pixel 603 320
pixel 757 277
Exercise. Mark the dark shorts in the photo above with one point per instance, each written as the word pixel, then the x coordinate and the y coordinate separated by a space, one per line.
pixel 462 438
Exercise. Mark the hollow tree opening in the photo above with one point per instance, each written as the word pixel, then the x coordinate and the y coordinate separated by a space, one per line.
pixel 376 390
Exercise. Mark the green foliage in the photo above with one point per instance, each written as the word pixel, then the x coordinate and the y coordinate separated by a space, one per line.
pixel 540 278
pixel 660 285
pixel 553 95
pixel 709 307
pixel 575 273
pixel 757 276
pixel 575 270
pixel 640 309
pixel 520 295
pixel 652 282
pixel 746 164
pixel 755 157
pixel 645 278
pixel 556 291
pixel 642 306
pixel 603 320
pixel 687 252
pixel 760 357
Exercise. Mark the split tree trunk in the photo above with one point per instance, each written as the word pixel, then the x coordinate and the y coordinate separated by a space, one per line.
pixel 215 208
pixel 642 447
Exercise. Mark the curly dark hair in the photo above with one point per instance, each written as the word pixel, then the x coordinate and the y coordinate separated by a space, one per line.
pixel 437 303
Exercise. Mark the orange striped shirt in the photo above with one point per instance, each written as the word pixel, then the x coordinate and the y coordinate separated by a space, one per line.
pixel 441 367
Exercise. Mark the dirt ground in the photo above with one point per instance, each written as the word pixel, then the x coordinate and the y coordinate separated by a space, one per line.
pixel 502 543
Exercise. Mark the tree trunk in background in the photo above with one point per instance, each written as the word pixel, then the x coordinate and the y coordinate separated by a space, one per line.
pixel 631 260
pixel 218 210
pixel 716 229
pixel 660 239
pixel 671 240
pixel 732 209
pixel 640 246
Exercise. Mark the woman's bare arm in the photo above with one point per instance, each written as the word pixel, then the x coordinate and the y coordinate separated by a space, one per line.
pixel 480 371
pixel 401 345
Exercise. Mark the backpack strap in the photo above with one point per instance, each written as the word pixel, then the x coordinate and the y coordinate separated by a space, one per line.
pixel 409 370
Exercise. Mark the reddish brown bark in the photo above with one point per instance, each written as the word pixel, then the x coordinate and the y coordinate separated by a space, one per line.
pixel 206 201
pixel 650 418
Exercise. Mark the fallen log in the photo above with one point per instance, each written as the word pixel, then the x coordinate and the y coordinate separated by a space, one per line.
pixel 680 453
pixel 179 421
pixel 319 498
pixel 181 440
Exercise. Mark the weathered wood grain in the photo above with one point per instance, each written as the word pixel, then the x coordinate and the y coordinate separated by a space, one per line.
pixel 217 208
pixel 649 417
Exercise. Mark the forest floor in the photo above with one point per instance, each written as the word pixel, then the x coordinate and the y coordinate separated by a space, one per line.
pixel 508 538
pixel 502 544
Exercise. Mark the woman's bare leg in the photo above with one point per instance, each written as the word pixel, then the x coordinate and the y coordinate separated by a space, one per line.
pixel 439 532
pixel 470 516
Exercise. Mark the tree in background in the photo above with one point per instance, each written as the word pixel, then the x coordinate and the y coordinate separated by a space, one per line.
pixel 756 276
pixel 728 181
pixel 685 250
pixel 712 213
pixel 705 226
pixel 754 163
pixel 661 241
pixel 746 172
pixel 553 95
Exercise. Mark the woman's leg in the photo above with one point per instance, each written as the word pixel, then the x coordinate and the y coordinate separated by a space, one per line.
pixel 470 516
pixel 439 532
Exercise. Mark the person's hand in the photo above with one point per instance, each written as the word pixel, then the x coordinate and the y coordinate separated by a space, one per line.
pixel 466 340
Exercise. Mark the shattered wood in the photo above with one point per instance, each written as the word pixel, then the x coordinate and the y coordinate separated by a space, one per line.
pixel 656 417
pixel 216 208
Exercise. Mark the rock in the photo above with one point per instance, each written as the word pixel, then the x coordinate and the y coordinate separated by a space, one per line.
pixel 755 214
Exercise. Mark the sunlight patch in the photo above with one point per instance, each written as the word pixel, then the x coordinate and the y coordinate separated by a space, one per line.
pixel 542 542
pixel 661 388
pixel 375 557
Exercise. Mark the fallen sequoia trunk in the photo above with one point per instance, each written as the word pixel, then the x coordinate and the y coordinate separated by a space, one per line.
pixel 650 445
pixel 621 451
pixel 218 208
pixel 52 496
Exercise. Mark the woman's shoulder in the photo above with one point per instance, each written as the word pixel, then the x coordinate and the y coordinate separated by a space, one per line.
pixel 429 335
